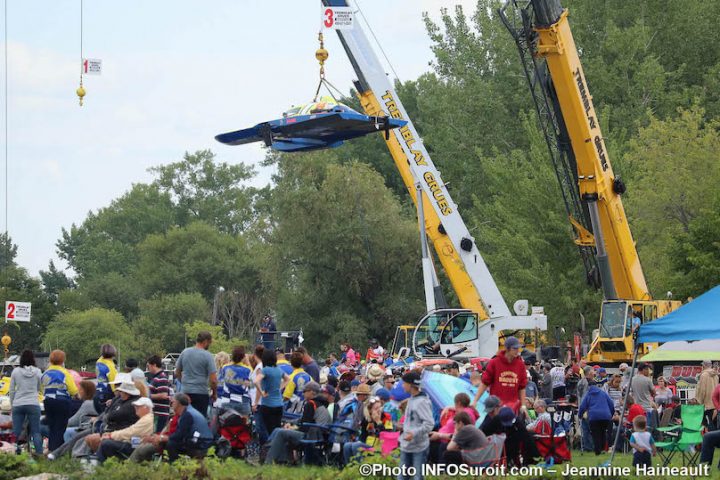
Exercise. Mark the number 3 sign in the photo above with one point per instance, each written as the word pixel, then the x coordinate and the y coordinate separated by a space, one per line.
pixel 337 18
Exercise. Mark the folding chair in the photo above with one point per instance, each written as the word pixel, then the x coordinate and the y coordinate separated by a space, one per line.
pixel 684 436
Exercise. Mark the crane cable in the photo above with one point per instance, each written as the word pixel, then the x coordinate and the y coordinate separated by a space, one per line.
pixel 81 90
pixel 7 235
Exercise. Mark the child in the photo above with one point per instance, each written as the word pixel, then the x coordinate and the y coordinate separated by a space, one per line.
pixel 419 422
pixel 642 443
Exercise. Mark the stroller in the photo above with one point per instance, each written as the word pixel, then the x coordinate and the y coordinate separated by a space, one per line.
pixel 235 435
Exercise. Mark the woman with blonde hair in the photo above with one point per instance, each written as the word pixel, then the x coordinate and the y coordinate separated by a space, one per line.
pixel 663 394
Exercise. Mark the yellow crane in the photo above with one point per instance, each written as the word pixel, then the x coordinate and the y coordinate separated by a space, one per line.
pixel 591 190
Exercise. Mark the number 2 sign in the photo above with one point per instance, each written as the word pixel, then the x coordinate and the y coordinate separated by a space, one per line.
pixel 337 18
pixel 17 311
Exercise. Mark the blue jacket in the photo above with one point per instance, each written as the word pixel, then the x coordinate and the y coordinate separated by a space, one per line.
pixel 598 404
pixel 192 430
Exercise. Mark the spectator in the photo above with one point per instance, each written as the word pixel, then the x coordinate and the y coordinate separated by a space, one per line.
pixel 506 377
pixel 297 379
pixel 235 378
pixel 196 369
pixel 193 436
pixel 602 377
pixel 159 389
pixel 557 374
pixel 269 408
pixel 419 422
pixel 86 393
pixel 256 365
pixel 614 390
pixel 155 443
pixel 58 387
pixel 453 369
pixel 542 416
pixel 283 363
pixel 466 443
pixel 374 352
pixel 600 410
pixel 105 371
pixel 389 382
pixel 373 423
pixel 545 386
pixel 362 394
pixel 374 376
pixel 531 391
pixel 309 365
pixel 633 410
pixel 119 442
pixel 286 439
pixel 703 393
pixel 711 441
pixel 268 331
pixel 25 384
pixel 491 423
pixel 120 414
pixel 131 367
pixel 440 439
pixel 642 443
pixel 716 403
pixel 625 374
pixel 586 441
pixel 329 394
pixel 643 392
pixel 662 393
pixel 349 357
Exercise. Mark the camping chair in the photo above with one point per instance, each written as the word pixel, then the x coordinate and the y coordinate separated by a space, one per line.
pixel 665 422
pixel 491 455
pixel 315 447
pixel 689 434
pixel 553 447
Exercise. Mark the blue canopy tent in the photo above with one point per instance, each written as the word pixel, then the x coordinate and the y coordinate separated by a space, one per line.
pixel 696 320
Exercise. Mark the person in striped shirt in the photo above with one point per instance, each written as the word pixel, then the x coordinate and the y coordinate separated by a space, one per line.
pixel 159 392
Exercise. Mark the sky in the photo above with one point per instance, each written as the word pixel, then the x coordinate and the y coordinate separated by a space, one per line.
pixel 174 74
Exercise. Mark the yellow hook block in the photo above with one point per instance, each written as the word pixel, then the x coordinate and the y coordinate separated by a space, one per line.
pixel 80 93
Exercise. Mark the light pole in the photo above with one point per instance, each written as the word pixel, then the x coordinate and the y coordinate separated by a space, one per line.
pixel 216 300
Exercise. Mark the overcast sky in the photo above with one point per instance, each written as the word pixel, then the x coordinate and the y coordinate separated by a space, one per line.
pixel 175 73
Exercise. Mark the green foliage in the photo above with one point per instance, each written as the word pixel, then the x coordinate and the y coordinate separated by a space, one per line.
pixel 80 334
pixel 8 251
pixel 196 258
pixel 676 172
pixel 220 342
pixel 340 252
pixel 160 328
pixel 208 191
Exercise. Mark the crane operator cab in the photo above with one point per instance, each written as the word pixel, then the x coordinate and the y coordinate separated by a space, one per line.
pixel 619 319
pixel 447 333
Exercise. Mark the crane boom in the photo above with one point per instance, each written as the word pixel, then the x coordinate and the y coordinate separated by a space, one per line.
pixel 572 130
pixel 455 246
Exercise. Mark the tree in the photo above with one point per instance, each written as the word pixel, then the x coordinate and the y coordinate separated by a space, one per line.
pixel 55 281
pixel 8 251
pixel 339 248
pixel 196 258
pixel 208 191
pixel 220 342
pixel 695 255
pixel 676 172
pixel 105 242
pixel 241 312
pixel 160 328
pixel 80 335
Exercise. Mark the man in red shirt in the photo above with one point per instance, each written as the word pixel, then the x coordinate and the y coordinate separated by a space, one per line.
pixel 505 376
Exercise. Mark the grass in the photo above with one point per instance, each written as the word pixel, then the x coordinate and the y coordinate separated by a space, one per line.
pixel 12 467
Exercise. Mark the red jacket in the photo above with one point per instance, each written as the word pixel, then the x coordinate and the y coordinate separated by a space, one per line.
pixel 505 379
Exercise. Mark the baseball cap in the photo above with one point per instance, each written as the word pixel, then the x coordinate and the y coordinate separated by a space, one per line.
pixel 354 382
pixel 602 370
pixel 596 367
pixel 512 342
pixel 624 365
pixel 506 416
pixel 643 366
pixel 344 386
pixel 412 377
pixel 329 389
pixel 312 387
pixel 384 394
pixel 491 403
pixel 143 402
